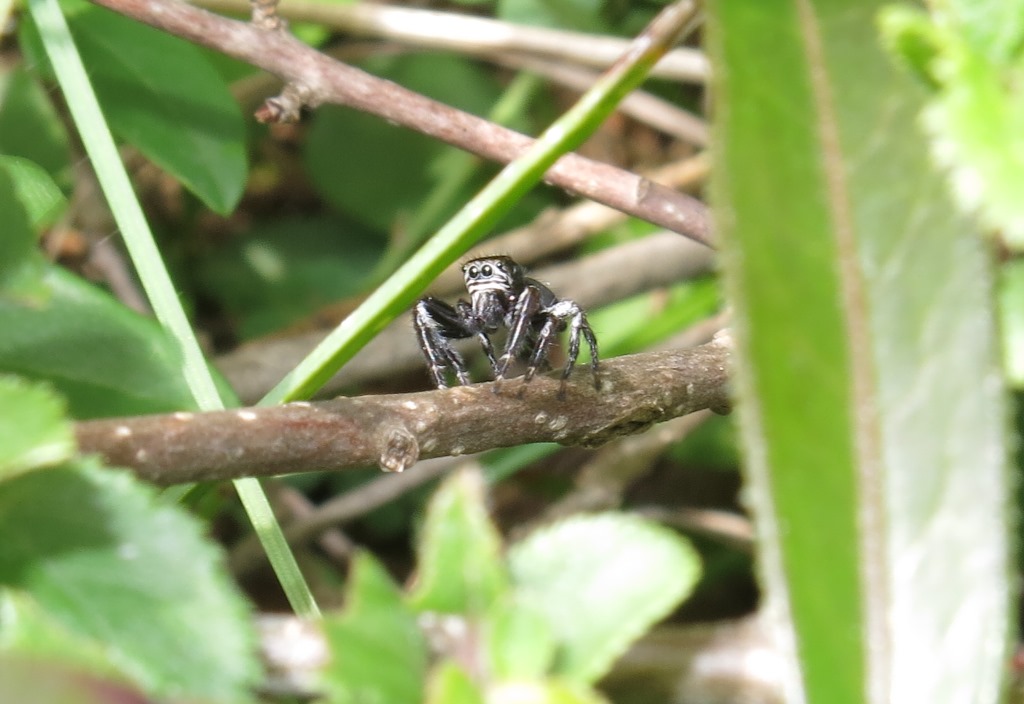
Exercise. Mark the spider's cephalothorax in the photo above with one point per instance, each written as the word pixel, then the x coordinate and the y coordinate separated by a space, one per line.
pixel 500 296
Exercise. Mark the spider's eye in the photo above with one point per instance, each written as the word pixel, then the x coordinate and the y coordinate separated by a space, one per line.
pixel 473 273
pixel 487 270
pixel 500 265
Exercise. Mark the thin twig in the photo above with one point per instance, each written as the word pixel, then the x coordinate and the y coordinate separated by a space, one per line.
pixel 397 430
pixel 478 36
pixel 324 80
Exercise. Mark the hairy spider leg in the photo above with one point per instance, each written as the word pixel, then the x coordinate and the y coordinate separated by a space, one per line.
pixel 526 308
pixel 547 333
pixel 578 326
pixel 436 324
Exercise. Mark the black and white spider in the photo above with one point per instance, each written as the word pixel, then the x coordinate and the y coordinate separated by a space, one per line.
pixel 500 295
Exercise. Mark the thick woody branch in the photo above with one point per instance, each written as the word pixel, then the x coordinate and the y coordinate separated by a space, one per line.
pixel 394 431
pixel 321 79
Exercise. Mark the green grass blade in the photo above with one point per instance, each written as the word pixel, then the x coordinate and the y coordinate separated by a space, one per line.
pixel 482 212
pixel 117 188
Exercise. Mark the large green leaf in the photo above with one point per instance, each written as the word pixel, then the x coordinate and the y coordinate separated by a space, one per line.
pixel 379 652
pixel 20 262
pixel 601 581
pixel 460 568
pixel 105 359
pixel 33 431
pixel 105 559
pixel 869 395
pixel 192 128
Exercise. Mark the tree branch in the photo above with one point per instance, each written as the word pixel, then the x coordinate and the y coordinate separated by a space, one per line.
pixel 317 79
pixel 396 430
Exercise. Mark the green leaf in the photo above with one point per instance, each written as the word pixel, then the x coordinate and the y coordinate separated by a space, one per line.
pixel 104 358
pixel 30 126
pixel 105 559
pixel 20 262
pixel 39 195
pixel 379 652
pixel 27 680
pixel 870 403
pixel 602 581
pixel 520 643
pixel 33 432
pixel 578 15
pixel 971 52
pixel 544 692
pixel 459 567
pixel 449 684
pixel 376 172
pixel 287 269
pixel 191 128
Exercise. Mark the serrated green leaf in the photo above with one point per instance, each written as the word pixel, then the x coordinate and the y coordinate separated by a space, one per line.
pixel 30 126
pixel 191 128
pixel 870 403
pixel 105 359
pixel 459 567
pixel 449 684
pixel 520 644
pixel 379 655
pixel 33 431
pixel 104 558
pixel 602 581
pixel 39 195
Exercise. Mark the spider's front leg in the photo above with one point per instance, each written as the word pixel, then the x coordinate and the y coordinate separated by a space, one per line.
pixel 519 329
pixel 437 324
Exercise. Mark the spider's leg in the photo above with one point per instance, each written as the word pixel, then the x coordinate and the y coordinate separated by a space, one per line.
pixel 465 311
pixel 519 327
pixel 580 326
pixel 544 339
pixel 437 324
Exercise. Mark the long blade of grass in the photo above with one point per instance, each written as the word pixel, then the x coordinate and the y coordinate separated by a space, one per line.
pixel 484 210
pixel 99 144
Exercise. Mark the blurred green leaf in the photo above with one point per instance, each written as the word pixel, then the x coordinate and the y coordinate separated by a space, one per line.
pixel 870 403
pixel 29 680
pixel 602 581
pixel 287 269
pixel 30 126
pixel 459 567
pixel 21 263
pixel 1011 307
pixel 577 15
pixel 449 684
pixel 105 359
pixel 191 128
pixel 379 652
pixel 39 195
pixel 105 559
pixel 520 643
pixel 972 52
pixel 543 692
pixel 378 173
pixel 33 431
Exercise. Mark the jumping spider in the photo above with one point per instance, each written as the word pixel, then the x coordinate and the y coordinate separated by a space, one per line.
pixel 500 295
